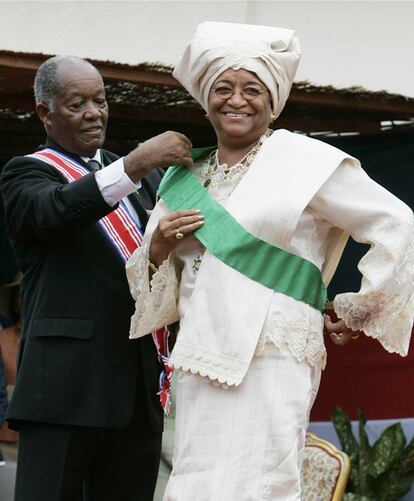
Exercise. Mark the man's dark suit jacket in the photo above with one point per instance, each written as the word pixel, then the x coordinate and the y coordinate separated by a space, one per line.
pixel 76 364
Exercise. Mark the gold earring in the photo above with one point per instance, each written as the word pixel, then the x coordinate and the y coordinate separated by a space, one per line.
pixel 272 117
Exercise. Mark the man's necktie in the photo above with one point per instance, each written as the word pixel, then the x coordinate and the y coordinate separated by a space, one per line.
pixel 94 165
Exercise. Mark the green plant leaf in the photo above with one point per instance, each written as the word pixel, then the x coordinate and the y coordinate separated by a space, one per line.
pixel 386 450
pixel 366 485
pixel 349 445
pixel 351 496
pixel 405 464
pixel 395 488
pixel 398 479
pixel 384 472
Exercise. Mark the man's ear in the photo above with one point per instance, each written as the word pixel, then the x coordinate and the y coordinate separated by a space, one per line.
pixel 43 112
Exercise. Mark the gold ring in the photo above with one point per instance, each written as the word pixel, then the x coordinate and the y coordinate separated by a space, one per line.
pixel 179 235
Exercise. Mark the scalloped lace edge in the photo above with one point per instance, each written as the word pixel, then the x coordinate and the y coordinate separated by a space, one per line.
pixel 156 301
pixel 303 344
pixel 216 379
pixel 384 310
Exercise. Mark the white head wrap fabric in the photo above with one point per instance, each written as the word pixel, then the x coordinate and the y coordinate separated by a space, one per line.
pixel 271 53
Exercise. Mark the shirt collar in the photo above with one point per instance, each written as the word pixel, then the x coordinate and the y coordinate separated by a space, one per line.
pixel 96 157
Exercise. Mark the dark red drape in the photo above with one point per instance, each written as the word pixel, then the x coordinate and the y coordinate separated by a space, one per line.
pixel 363 376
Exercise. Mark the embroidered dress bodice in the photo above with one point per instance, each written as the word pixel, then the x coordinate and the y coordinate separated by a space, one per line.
pixel 382 308
pixel 223 176
pixel 303 344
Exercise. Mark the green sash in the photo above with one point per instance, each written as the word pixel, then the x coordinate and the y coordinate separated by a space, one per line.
pixel 224 237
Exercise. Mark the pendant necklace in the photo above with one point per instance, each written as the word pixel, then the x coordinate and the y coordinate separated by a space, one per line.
pixel 234 172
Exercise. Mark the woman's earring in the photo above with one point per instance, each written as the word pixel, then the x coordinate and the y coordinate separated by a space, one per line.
pixel 206 115
pixel 272 117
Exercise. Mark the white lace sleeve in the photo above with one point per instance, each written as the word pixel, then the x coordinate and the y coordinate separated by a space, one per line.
pixel 384 306
pixel 155 301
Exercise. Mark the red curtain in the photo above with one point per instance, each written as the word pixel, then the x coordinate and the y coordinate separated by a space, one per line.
pixel 363 376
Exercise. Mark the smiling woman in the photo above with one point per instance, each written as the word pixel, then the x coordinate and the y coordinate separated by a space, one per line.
pixel 239 109
pixel 240 250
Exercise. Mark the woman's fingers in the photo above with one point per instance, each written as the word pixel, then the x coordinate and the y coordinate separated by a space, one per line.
pixel 341 339
pixel 189 228
pixel 171 230
pixel 338 326
pixel 339 332
pixel 185 226
pixel 180 214
pixel 181 222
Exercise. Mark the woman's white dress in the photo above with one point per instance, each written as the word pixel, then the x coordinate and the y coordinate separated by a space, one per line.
pixel 245 442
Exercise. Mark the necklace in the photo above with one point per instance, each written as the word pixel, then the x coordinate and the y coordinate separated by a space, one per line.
pixel 214 166
pixel 218 173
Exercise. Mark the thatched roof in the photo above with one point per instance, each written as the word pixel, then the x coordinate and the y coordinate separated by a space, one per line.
pixel 145 99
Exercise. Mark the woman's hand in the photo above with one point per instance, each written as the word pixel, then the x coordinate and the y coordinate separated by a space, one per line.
pixel 171 230
pixel 337 330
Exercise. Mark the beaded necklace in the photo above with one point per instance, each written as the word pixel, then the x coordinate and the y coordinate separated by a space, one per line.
pixel 236 170
pixel 214 171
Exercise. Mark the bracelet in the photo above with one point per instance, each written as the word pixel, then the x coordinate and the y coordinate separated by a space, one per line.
pixel 152 267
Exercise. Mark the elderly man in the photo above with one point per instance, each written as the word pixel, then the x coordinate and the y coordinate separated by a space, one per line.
pixel 85 399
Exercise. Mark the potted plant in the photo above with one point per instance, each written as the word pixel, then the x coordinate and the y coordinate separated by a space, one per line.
pixel 383 471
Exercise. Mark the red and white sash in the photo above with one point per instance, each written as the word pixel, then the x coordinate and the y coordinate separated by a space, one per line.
pixel 118 226
pixel 126 236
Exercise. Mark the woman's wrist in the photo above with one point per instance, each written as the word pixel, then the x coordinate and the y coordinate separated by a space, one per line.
pixel 153 267
pixel 157 255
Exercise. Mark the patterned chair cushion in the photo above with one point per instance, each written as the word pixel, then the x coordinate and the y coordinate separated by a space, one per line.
pixel 325 471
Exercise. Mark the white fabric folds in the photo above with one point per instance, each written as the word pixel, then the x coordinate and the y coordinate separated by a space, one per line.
pixel 218 338
pixel 271 53
pixel 219 329
pixel 245 443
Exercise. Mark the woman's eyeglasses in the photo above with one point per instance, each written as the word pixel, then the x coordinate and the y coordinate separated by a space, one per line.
pixel 248 93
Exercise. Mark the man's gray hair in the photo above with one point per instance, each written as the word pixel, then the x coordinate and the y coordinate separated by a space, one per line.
pixel 46 82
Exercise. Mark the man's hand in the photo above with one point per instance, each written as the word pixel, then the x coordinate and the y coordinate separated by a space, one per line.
pixel 169 148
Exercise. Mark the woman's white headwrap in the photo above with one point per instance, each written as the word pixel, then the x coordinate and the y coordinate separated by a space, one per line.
pixel 271 53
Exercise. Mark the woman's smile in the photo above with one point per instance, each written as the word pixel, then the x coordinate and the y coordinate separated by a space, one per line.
pixel 236 115
pixel 239 114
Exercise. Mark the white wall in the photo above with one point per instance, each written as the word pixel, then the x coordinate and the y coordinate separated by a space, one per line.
pixel 347 43
pixel 344 43
pixel 129 32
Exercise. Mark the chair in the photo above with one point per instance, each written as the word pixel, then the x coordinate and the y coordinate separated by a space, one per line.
pixel 325 470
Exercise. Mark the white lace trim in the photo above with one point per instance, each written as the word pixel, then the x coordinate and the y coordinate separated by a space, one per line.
pixel 222 175
pixel 220 369
pixel 384 308
pixel 156 302
pixel 303 342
